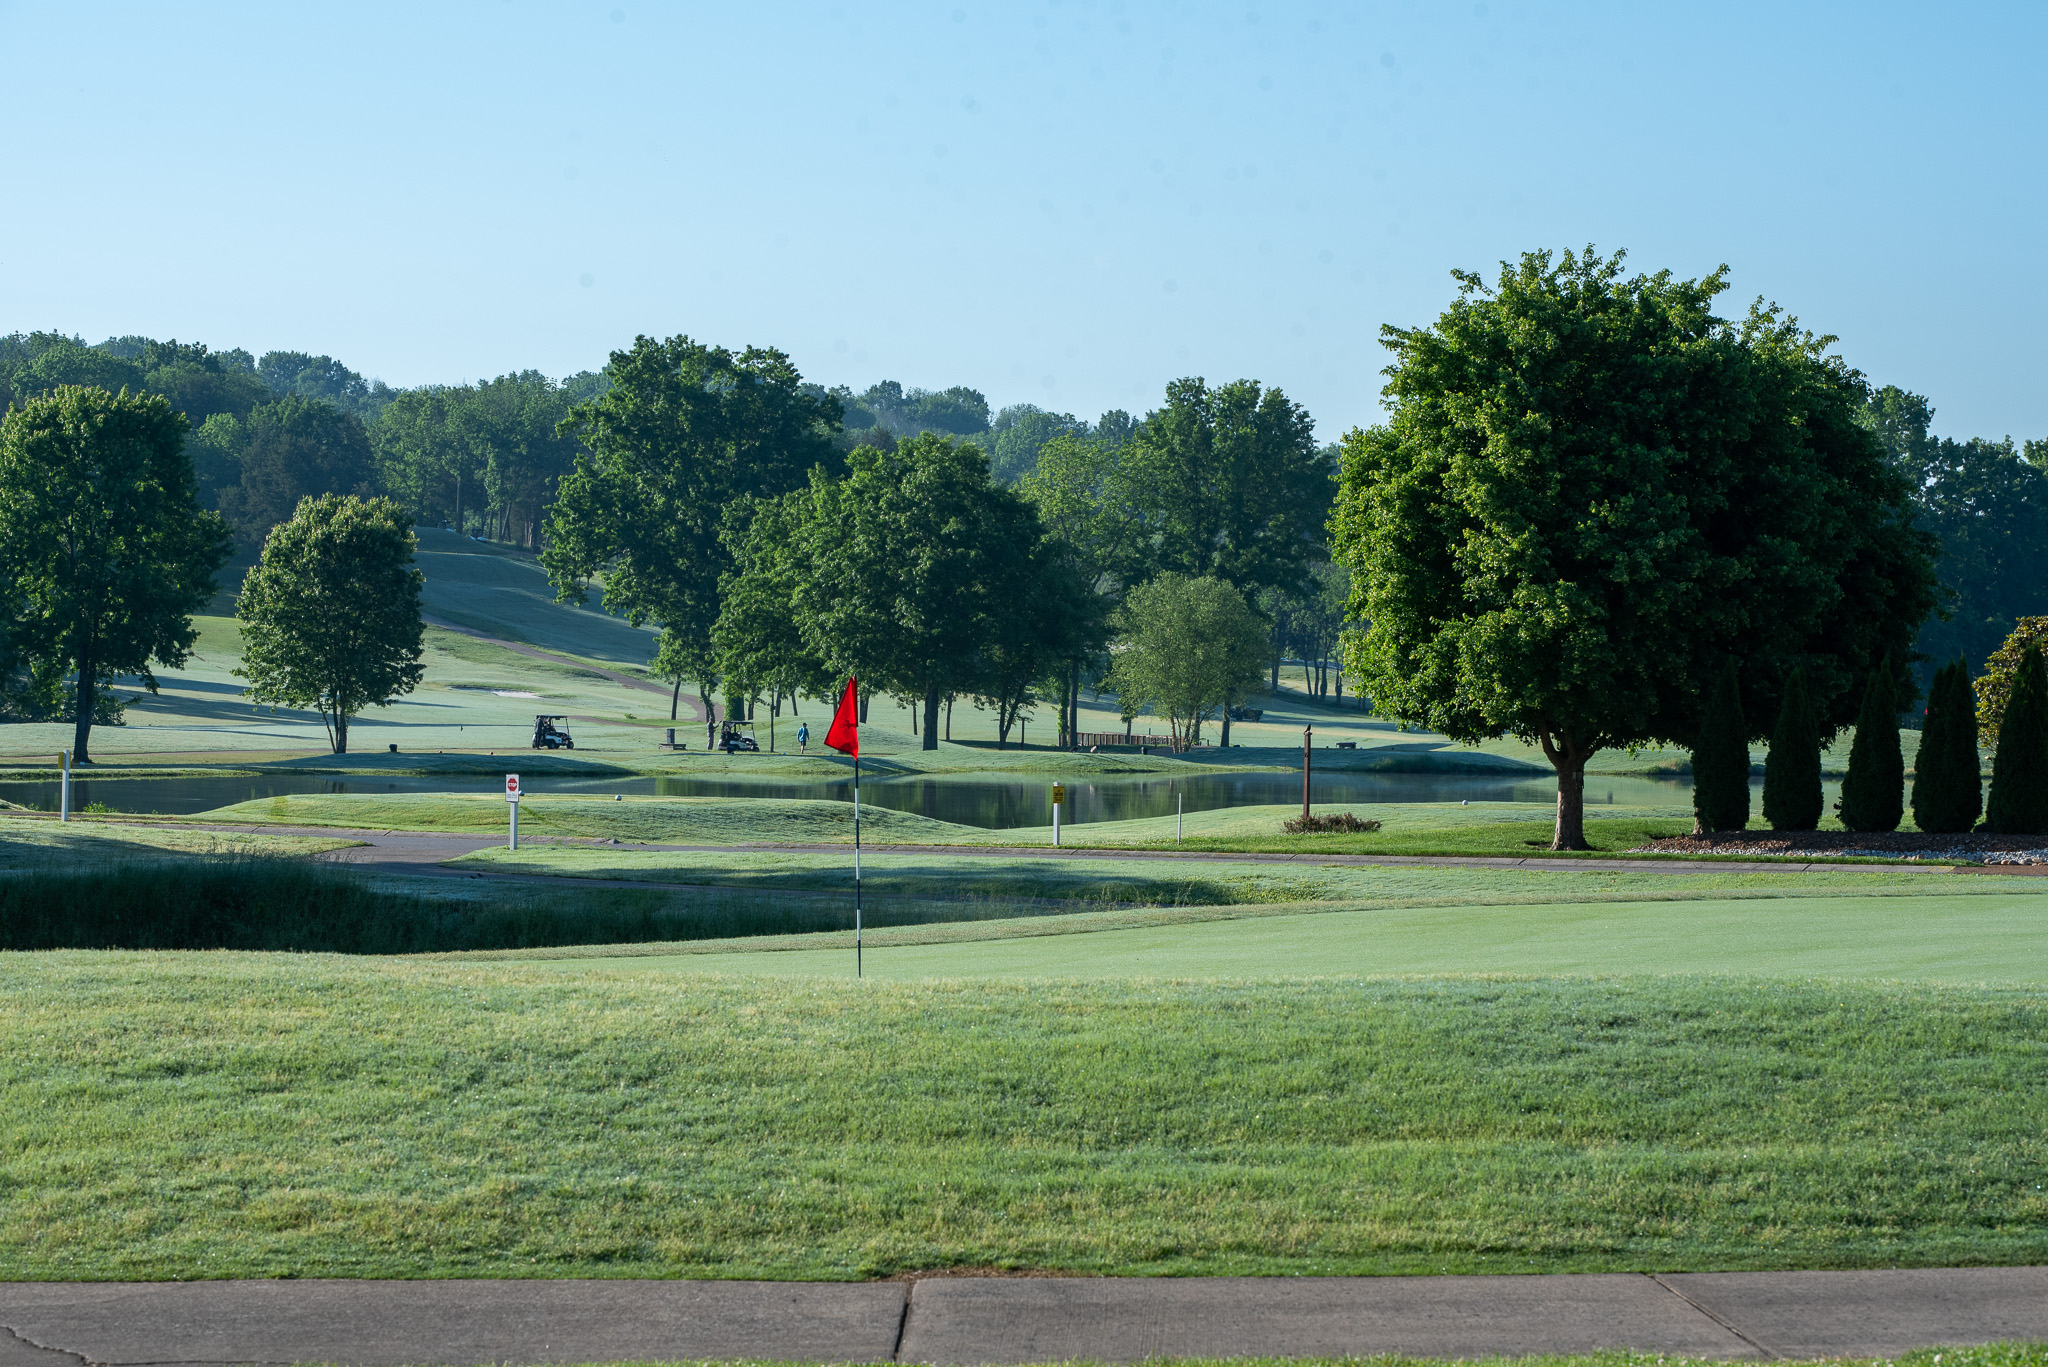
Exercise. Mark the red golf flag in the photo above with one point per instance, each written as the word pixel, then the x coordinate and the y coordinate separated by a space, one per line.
pixel 844 733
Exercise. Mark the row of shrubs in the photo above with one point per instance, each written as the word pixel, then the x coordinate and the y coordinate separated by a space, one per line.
pixel 1948 794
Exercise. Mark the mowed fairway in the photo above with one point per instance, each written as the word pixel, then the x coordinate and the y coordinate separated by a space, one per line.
pixel 1984 937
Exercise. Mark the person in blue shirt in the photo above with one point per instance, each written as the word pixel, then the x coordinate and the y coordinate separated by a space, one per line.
pixel 803 736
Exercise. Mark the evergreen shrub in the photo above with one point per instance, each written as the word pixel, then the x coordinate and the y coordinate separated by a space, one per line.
pixel 1720 760
pixel 1873 793
pixel 1948 790
pixel 2019 771
pixel 1792 793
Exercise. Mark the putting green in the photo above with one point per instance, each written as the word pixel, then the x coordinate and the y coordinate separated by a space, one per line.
pixel 2000 938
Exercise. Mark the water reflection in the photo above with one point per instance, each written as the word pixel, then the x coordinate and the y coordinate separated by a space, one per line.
pixel 994 804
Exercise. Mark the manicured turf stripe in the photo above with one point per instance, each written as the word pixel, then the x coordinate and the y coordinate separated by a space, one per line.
pixel 1981 938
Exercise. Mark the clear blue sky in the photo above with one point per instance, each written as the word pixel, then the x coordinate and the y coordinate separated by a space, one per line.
pixel 1067 203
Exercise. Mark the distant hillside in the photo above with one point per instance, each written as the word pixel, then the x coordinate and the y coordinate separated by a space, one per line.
pixel 502 592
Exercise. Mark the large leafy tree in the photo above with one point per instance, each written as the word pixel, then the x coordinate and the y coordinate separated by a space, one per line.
pixel 1187 647
pixel 103 548
pixel 331 612
pixel 683 432
pixel 1988 504
pixel 910 563
pixel 1593 495
pixel 290 450
pixel 513 428
pixel 425 457
pixel 1231 485
pixel 1094 513
pixel 1056 618
pixel 759 646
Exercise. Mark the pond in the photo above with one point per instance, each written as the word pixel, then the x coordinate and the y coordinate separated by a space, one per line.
pixel 995 804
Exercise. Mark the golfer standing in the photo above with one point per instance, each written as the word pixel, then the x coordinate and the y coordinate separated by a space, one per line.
pixel 803 736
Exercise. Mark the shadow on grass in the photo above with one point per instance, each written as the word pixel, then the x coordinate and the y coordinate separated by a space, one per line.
pixel 263 903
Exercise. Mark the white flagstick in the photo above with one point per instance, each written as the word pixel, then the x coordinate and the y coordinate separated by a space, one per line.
pixel 856 866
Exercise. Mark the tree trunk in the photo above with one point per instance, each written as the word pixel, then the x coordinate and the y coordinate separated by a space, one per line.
pixel 931 717
pixel 340 733
pixel 949 716
pixel 1569 760
pixel 81 714
pixel 675 700
pixel 1073 705
pixel 1225 742
pixel 864 708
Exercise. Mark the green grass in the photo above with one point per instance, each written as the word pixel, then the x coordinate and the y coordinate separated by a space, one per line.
pixel 257 1115
pixel 1139 876
pixel 675 820
pixel 43 842
pixel 1990 936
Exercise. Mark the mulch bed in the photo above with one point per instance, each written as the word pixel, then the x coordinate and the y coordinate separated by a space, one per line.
pixel 1976 846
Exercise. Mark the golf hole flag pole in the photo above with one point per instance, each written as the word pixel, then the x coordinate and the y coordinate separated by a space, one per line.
pixel 844 736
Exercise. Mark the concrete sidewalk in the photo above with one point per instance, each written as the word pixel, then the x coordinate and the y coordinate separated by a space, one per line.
pixel 1015 1319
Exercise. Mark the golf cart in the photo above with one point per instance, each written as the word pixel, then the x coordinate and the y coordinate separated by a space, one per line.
pixel 731 737
pixel 548 736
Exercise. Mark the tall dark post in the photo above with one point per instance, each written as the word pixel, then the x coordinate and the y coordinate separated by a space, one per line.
pixel 1307 732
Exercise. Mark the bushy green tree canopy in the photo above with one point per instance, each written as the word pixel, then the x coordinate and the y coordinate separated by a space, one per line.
pixel 288 451
pixel 909 564
pixel 1592 494
pixel 104 551
pixel 331 613
pixel 683 431
pixel 1186 647
pixel 1231 485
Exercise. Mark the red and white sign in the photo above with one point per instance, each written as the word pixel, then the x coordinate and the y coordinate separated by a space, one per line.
pixel 511 787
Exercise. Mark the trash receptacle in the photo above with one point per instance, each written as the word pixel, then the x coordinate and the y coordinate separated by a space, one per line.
pixel 671 738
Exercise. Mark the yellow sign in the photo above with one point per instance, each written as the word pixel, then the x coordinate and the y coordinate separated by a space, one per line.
pixel 1059 794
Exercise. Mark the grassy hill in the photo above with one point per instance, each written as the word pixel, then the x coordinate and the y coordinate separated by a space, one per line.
pixel 505 593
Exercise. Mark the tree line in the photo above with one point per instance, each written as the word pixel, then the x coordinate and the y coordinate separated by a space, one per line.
pixel 1516 551
pixel 718 497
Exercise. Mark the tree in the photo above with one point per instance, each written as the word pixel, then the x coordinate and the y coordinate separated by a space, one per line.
pixel 1592 494
pixel 1994 685
pixel 910 564
pixel 1873 791
pixel 1720 760
pixel 324 379
pixel 1948 787
pixel 331 613
pixel 1230 484
pixel 675 662
pixel 2019 768
pixel 681 433
pixel 759 647
pixel 1020 432
pixel 513 428
pixel 425 456
pixel 1792 791
pixel 1988 504
pixel 1186 646
pixel 67 362
pixel 103 547
pixel 291 450
pixel 1056 618
pixel 1090 508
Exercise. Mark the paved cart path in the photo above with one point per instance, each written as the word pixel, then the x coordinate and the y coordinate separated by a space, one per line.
pixel 1756 1315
